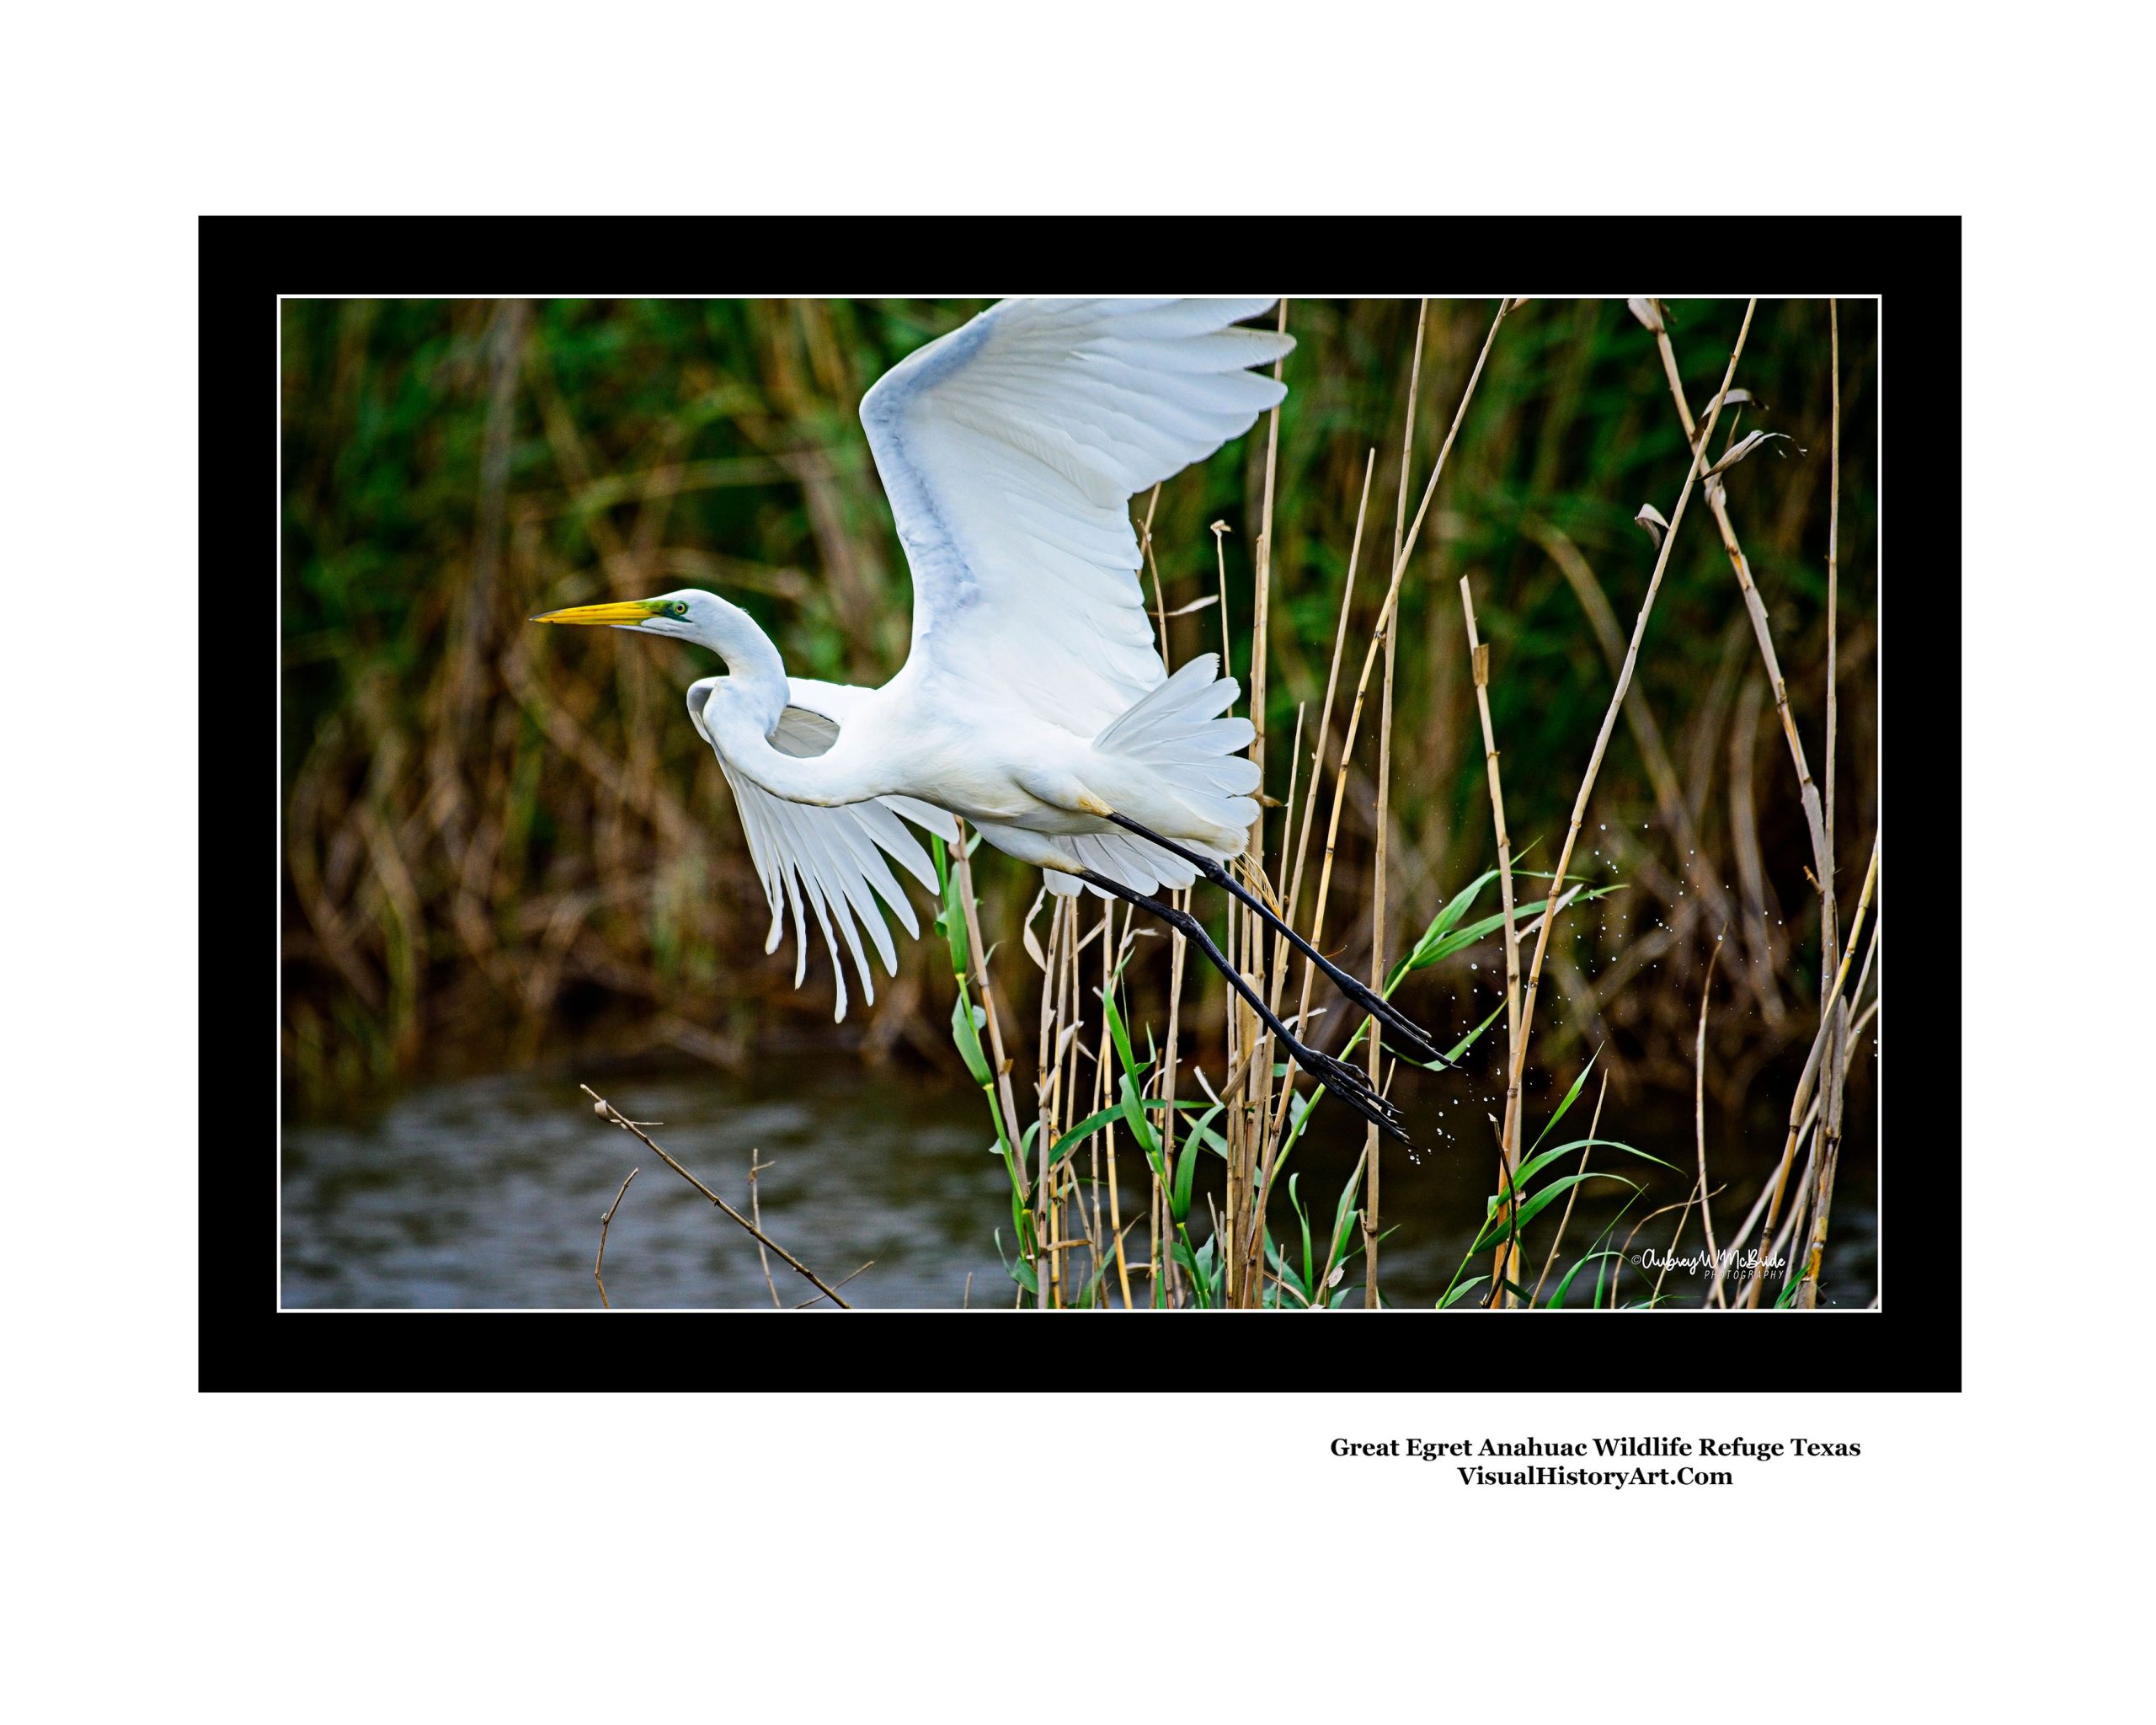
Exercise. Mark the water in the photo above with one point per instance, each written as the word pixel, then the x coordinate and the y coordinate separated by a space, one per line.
pixel 487 1191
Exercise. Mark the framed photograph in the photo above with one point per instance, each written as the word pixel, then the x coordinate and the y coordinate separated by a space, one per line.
pixel 1173 804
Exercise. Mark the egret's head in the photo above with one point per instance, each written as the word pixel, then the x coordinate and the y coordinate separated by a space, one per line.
pixel 685 616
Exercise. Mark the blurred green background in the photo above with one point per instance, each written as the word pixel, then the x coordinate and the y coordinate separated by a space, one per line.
pixel 506 845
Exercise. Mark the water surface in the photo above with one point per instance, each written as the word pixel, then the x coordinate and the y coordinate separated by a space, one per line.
pixel 487 1191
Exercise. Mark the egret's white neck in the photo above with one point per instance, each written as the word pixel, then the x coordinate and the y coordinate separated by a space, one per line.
pixel 756 674
pixel 745 710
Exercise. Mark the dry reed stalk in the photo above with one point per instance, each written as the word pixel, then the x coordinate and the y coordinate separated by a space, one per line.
pixel 1373 1152
pixel 1404 552
pixel 1617 700
pixel 1508 1134
pixel 1700 1122
pixel 1823 846
pixel 1785 1241
pixel 1751 1220
pixel 1864 970
pixel 1310 803
pixel 1171 1060
pixel 1815 1060
pixel 1384 620
pixel 1325 720
pixel 1281 949
pixel 1071 1035
pixel 1834 552
pixel 1220 531
pixel 1153 564
pixel 1812 1112
pixel 980 954
pixel 1160 1224
pixel 1245 1234
pixel 1261 612
pixel 1670 801
pixel 1104 1141
pixel 1045 1072
pixel 1103 1057
pixel 1744 841
pixel 1835 1016
pixel 1049 1085
pixel 1238 1022
pixel 1830 1142
pixel 1269 1138
pixel 1810 1139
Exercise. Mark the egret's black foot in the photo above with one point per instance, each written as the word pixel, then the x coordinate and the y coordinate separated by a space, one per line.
pixel 1407 1039
pixel 1352 1087
pixel 1344 1081
pixel 1401 1033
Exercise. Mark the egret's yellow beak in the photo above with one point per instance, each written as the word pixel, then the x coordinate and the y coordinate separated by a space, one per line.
pixel 626 613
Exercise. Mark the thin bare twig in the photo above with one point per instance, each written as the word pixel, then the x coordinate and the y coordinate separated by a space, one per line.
pixel 756 1215
pixel 607 1111
pixel 818 1299
pixel 606 1221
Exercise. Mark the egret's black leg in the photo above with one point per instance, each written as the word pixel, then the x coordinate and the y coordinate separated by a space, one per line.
pixel 1342 1080
pixel 1403 1032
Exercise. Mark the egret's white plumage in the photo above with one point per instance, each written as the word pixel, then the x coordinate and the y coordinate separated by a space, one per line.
pixel 1033 701
pixel 1011 449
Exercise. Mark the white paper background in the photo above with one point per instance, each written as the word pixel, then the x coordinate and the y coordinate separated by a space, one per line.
pixel 592 1559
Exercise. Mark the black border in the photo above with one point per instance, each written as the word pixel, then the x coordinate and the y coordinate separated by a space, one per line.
pixel 1915 1344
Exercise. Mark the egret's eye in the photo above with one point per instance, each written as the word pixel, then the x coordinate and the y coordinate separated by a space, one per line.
pixel 681 608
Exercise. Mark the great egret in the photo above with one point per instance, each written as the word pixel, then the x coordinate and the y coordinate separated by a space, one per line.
pixel 1034 702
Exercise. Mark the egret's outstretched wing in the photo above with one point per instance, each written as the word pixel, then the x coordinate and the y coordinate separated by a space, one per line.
pixel 832 861
pixel 1011 449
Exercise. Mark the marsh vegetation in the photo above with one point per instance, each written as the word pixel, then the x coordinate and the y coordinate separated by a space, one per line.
pixel 1486 689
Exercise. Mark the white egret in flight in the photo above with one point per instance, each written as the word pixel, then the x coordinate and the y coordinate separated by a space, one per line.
pixel 1034 702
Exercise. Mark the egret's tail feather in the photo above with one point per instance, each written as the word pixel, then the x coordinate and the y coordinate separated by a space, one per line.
pixel 1132 861
pixel 1181 760
pixel 1191 752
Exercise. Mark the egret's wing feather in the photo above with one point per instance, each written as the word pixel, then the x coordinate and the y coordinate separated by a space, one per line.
pixel 1011 448
pixel 834 864
pixel 927 817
